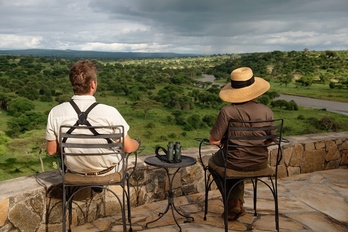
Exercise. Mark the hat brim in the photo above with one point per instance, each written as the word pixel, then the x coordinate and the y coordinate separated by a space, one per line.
pixel 229 94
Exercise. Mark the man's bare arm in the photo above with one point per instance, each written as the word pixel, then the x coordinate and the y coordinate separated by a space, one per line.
pixel 51 147
pixel 130 145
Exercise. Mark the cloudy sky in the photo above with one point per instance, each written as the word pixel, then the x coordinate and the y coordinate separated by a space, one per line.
pixel 180 26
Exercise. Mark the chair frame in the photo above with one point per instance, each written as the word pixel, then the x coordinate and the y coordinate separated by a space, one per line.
pixel 70 189
pixel 276 125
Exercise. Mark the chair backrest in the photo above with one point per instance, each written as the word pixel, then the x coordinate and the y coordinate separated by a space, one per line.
pixel 254 136
pixel 83 142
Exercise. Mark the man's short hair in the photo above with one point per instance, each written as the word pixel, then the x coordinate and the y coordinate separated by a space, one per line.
pixel 81 76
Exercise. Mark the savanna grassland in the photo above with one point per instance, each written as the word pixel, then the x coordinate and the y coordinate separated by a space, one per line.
pixel 162 99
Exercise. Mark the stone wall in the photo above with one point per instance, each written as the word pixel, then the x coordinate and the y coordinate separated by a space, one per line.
pixel 33 203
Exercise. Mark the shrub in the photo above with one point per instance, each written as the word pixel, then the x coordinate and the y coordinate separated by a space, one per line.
pixel 209 120
pixel 264 99
pixel 279 103
pixel 148 134
pixel 194 121
pixel 188 127
pixel 271 94
pixel 300 117
pixel 150 125
pixel 329 124
pixel 287 129
pixel 172 135
pixel 291 105
pixel 170 119
pixel 325 123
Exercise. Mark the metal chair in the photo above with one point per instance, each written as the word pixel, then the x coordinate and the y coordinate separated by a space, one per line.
pixel 251 135
pixel 83 142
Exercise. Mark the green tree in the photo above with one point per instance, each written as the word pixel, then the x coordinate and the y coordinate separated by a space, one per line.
pixel 21 105
pixel 146 106
pixel 305 81
pixel 291 105
pixel 209 120
pixel 286 79
pixel 264 99
pixel 26 122
pixel 193 121
pixel 332 85
pixel 5 100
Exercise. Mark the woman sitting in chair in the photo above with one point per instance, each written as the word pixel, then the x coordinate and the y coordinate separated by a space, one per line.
pixel 241 93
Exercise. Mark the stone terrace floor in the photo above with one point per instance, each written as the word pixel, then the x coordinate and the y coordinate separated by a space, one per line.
pixel 315 201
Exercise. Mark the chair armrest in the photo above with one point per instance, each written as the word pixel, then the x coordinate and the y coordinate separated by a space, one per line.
pixel 130 171
pixel 202 142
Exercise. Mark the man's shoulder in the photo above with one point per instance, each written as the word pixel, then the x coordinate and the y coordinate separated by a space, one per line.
pixel 104 108
pixel 61 106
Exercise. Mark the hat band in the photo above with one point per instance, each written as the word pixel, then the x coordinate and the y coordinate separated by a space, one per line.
pixel 242 84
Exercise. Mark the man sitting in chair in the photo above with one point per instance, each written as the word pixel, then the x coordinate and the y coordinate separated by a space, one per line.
pixel 241 93
pixel 83 78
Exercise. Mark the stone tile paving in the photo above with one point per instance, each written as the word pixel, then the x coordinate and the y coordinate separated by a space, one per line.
pixel 308 202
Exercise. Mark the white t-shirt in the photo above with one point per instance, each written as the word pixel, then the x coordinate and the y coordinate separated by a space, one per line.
pixel 100 115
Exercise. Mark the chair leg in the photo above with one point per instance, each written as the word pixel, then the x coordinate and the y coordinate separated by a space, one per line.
pixel 207 182
pixel 255 195
pixel 67 206
pixel 276 208
pixel 123 209
pixel 205 205
pixel 121 201
pixel 225 203
pixel 207 187
pixel 276 212
pixel 64 209
pixel 274 190
pixel 70 215
pixel 129 207
pixel 70 192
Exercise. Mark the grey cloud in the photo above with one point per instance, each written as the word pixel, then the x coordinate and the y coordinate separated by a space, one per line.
pixel 221 17
pixel 192 26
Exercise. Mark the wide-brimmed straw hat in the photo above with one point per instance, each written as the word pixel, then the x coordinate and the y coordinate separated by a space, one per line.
pixel 243 87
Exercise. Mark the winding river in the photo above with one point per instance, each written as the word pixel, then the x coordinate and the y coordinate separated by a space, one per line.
pixel 332 106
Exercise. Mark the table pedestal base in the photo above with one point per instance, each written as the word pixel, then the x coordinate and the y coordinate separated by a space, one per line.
pixel 171 204
pixel 185 162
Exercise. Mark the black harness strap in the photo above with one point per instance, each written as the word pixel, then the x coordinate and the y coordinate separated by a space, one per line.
pixel 82 118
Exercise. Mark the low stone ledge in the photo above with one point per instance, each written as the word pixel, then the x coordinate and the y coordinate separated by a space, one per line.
pixel 33 203
pixel 316 152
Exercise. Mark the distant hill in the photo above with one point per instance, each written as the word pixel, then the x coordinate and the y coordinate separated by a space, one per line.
pixel 73 54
